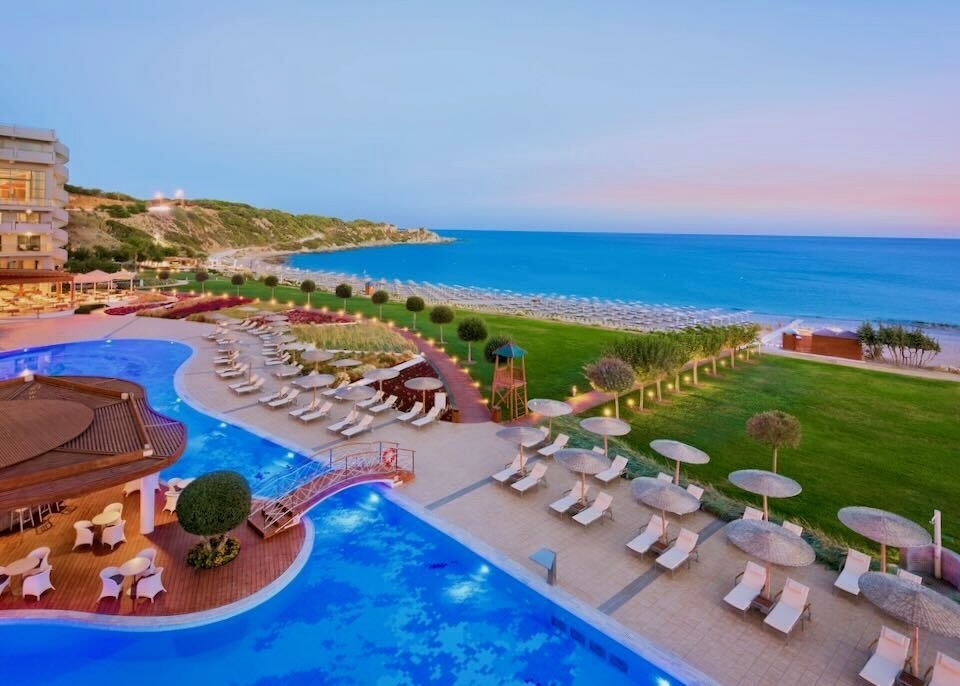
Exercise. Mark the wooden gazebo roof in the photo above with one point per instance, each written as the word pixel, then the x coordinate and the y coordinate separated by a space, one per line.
pixel 16 277
pixel 64 436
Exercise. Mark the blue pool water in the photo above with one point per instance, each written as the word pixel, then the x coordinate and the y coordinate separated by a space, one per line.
pixel 384 599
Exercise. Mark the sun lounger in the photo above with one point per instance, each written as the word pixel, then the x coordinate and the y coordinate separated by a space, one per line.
pixel 359 427
pixel 910 576
pixel 235 372
pixel 571 498
pixel 385 405
pixel 270 397
pixel 617 467
pixel 945 671
pixel 288 373
pixel 245 382
pixel 509 471
pixel 332 391
pixel 653 532
pixel 276 361
pixel 663 476
pixel 597 510
pixel 536 441
pixel 345 422
pixel 373 400
pixel 695 491
pixel 856 565
pixel 440 400
pixel 680 551
pixel 296 412
pixel 428 418
pixel 558 443
pixel 598 450
pixel 284 400
pixel 255 385
pixel 791 608
pixel 793 528
pixel 534 479
pixel 888 659
pixel 752 513
pixel 411 413
pixel 321 411
pixel 749 585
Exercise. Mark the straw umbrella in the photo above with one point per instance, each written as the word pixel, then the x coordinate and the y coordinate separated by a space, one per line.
pixel 549 408
pixel 316 356
pixel 381 375
pixel 313 382
pixel 771 543
pixel 886 528
pixel 582 462
pixel 914 604
pixel 425 383
pixel 679 452
pixel 767 484
pixel 663 496
pixel 518 435
pixel 605 426
pixel 346 362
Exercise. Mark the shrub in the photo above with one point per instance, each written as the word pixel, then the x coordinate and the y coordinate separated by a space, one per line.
pixel 211 506
pixel 379 298
pixel 307 286
pixel 163 274
pixel 494 344
pixel 441 314
pixel 272 282
pixel 200 278
pixel 471 330
pixel 344 291
pixel 237 280
pixel 87 309
pixel 415 304
pixel 610 375
pixel 776 429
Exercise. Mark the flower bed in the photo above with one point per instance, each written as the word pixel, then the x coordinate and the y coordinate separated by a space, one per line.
pixel 407 397
pixel 314 317
pixel 194 305
pixel 130 309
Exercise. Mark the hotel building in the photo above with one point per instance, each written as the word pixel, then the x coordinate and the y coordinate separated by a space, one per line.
pixel 32 199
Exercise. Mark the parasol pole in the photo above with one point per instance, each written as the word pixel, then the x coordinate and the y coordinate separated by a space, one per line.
pixel 769 582
pixel 937 544
pixel 915 660
pixel 883 557
pixel 766 512
pixel 676 475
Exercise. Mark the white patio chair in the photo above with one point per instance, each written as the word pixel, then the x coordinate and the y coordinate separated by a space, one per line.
pixel 558 443
pixel 83 533
pixel 510 470
pixel 600 508
pixel 37 584
pixel 617 467
pixel 429 418
pixel 749 585
pixel 111 583
pixel 321 411
pixel 113 535
pixel 532 480
pixel 387 404
pixel 683 548
pixel 793 528
pixel 654 531
pixel 372 400
pixel 570 498
pixel 285 400
pixel 351 418
pixel 945 671
pixel 150 554
pixel 792 607
pixel 251 387
pixel 411 413
pixel 359 427
pixel 888 658
pixel 4 580
pixel 856 565
pixel 42 556
pixel 310 407
pixel 270 397
pixel 150 585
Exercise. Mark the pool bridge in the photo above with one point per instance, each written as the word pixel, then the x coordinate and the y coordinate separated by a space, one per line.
pixel 281 502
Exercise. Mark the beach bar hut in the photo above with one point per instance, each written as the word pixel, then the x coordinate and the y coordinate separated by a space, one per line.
pixel 826 341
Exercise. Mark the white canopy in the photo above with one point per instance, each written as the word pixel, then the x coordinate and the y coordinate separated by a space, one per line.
pixel 96 276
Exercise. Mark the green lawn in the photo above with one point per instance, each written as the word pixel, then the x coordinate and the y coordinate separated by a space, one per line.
pixel 869 438
pixel 556 351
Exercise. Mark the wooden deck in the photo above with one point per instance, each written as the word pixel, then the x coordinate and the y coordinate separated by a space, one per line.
pixel 76 574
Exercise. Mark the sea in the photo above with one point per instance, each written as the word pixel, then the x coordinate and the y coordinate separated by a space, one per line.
pixel 881 279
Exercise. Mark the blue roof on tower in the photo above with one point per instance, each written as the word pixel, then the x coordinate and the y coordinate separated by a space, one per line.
pixel 510 350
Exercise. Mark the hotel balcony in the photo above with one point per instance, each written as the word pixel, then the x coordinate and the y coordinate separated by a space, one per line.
pixel 15 154
pixel 38 204
pixel 61 196
pixel 62 151
pixel 28 132
pixel 61 173
pixel 42 228
pixel 60 215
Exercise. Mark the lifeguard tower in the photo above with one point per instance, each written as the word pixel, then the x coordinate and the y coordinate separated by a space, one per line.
pixel 509 387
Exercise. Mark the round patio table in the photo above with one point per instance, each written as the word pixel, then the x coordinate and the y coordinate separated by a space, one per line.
pixel 106 518
pixel 134 567
pixel 18 568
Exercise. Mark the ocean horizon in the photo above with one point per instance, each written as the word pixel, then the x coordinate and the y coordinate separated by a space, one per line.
pixel 844 278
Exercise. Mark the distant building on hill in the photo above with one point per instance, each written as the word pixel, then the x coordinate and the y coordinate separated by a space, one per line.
pixel 829 341
pixel 33 172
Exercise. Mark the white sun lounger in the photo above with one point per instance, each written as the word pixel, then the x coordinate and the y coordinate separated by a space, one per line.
pixel 695 491
pixel 752 513
pixel 793 528
pixel 372 400
pixel 288 373
pixel 536 441
pixel 532 480
pixel 345 422
pixel 321 411
pixel 597 510
pixel 428 418
pixel 749 585
pixel 359 427
pixel 235 372
pixel 411 413
pixel 945 671
pixel 270 397
pixel 245 382
pixel 571 498
pixel 680 551
pixel 252 387
pixel 856 565
pixel 558 443
pixel 910 576
pixel 285 400
pixel 276 361
pixel 385 405
pixel 504 475
pixel 653 532
pixel 888 659
pixel 332 391
pixel 296 412
pixel 663 476
pixel 790 609
pixel 617 468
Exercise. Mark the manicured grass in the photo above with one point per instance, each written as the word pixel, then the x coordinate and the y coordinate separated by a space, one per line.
pixel 869 438
pixel 556 351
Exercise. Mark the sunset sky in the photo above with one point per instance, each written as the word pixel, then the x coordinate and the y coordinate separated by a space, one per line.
pixel 758 117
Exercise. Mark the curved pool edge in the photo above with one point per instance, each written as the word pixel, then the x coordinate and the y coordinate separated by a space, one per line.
pixel 155 623
pixel 645 649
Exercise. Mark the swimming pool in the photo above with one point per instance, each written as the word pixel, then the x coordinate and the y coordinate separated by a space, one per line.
pixel 383 599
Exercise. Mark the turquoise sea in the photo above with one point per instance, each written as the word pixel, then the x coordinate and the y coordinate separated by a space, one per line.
pixel 891 279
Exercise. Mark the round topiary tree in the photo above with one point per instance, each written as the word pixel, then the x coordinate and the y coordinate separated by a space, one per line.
pixel 379 298
pixel 776 429
pixel 211 506
pixel 492 346
pixel 308 286
pixel 272 282
pixel 163 274
pixel 415 304
pixel 344 291
pixel 611 375
pixel 201 278
pixel 441 314
pixel 237 280
pixel 471 330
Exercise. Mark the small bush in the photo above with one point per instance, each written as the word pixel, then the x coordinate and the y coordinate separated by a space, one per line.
pixel 201 556
pixel 87 309
pixel 492 346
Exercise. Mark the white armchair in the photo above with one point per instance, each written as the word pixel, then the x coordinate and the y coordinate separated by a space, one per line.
pixel 149 586
pixel 84 533
pixel 4 580
pixel 39 583
pixel 113 535
pixel 111 581
pixel 172 497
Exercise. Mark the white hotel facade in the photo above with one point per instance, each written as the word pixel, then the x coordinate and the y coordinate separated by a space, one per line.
pixel 33 172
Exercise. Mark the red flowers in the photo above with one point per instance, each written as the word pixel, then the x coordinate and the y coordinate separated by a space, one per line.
pixel 314 317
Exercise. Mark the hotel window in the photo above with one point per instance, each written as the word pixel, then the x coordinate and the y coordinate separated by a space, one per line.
pixel 28 217
pixel 28 243
pixel 22 185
